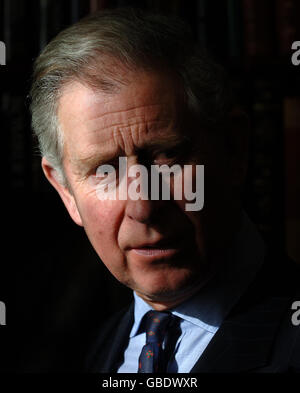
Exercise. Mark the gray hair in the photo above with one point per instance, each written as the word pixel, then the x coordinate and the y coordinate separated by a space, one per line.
pixel 91 50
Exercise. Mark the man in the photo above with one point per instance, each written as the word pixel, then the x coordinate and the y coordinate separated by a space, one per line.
pixel 208 296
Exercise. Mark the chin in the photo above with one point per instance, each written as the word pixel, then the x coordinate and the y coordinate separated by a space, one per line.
pixel 169 288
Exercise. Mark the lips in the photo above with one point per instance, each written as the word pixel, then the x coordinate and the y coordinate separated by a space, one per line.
pixel 163 248
pixel 164 243
pixel 155 252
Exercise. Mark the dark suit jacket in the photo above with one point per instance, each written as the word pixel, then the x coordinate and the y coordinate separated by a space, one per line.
pixel 257 336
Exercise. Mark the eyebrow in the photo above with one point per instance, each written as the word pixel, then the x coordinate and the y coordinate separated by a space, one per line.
pixel 96 159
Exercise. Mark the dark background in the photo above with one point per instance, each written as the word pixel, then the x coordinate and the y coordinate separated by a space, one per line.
pixel 52 282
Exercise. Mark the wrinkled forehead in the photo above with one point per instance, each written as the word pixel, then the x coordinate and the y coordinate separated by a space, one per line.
pixel 141 89
pixel 150 103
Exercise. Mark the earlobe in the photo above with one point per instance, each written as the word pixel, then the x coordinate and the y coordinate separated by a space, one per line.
pixel 65 194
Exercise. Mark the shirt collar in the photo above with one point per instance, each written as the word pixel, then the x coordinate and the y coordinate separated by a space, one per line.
pixel 208 308
pixel 140 309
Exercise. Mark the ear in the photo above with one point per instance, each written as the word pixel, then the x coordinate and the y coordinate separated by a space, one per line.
pixel 238 131
pixel 65 194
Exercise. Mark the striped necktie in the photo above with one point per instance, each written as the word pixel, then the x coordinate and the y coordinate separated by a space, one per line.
pixel 151 359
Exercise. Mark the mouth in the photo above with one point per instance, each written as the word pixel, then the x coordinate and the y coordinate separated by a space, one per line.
pixel 155 252
pixel 165 248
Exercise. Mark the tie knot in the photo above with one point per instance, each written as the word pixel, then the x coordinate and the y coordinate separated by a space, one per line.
pixel 156 325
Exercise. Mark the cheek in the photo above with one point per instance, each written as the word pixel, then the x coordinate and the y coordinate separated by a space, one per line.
pixel 193 180
pixel 187 188
pixel 101 221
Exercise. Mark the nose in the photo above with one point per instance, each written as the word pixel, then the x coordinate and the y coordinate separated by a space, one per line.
pixel 143 206
pixel 144 211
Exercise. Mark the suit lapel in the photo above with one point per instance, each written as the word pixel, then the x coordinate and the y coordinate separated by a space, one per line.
pixel 245 339
pixel 243 343
pixel 111 352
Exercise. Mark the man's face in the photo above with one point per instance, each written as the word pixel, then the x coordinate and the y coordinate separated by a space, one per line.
pixel 156 247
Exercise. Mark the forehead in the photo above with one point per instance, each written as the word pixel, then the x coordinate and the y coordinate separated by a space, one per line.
pixel 148 108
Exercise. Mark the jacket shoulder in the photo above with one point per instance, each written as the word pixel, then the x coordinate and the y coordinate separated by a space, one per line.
pixel 107 335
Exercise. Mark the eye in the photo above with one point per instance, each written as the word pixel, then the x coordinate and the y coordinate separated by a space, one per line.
pixel 105 169
pixel 169 156
pixel 104 174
